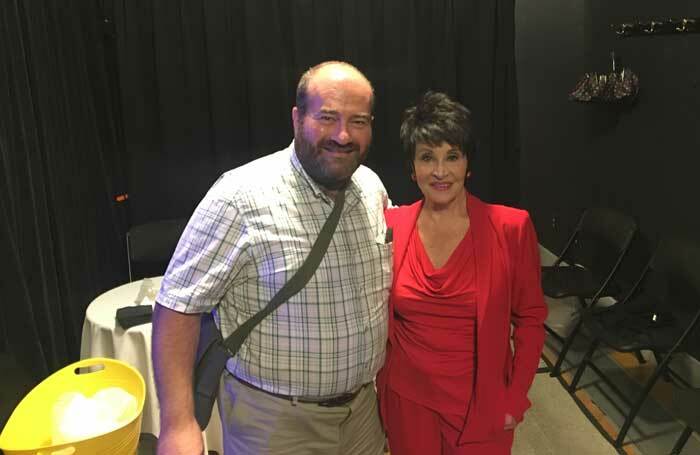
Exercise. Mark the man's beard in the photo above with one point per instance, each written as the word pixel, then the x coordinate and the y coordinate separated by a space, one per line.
pixel 309 156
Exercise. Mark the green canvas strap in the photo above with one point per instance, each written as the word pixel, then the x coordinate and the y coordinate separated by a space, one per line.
pixel 297 282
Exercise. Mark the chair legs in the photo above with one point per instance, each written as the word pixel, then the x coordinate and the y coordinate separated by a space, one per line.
pixel 658 372
pixel 568 341
pixel 554 334
pixel 544 369
pixel 584 363
pixel 659 358
pixel 680 443
pixel 128 256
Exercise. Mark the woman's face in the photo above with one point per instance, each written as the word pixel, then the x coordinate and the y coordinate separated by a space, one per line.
pixel 440 172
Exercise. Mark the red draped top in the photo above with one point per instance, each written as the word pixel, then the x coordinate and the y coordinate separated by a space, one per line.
pixel 435 313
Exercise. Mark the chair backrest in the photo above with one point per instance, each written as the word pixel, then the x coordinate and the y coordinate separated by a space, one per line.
pixel 673 278
pixel 614 227
pixel 679 260
pixel 600 241
pixel 151 245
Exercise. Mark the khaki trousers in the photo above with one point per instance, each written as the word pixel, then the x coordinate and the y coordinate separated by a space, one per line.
pixel 255 423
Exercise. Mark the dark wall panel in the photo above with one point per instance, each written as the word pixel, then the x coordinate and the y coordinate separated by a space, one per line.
pixel 642 159
pixel 549 50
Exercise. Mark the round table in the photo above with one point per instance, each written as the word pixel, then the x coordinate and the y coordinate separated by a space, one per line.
pixel 103 337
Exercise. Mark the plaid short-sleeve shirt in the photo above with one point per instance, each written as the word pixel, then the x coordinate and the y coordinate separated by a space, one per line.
pixel 247 237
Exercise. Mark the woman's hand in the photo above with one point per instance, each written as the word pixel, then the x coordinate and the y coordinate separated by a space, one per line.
pixel 510 423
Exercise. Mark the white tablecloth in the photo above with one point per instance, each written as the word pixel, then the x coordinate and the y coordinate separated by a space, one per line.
pixel 103 337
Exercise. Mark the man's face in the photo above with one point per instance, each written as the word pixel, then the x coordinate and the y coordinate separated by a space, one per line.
pixel 332 138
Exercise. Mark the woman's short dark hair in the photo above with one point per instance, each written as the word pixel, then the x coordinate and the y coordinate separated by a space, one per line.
pixel 434 120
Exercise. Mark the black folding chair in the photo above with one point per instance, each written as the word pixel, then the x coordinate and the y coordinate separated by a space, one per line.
pixel 687 405
pixel 586 267
pixel 150 246
pixel 658 314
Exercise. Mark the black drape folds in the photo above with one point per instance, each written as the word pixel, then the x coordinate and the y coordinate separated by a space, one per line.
pixel 156 98
pixel 209 85
pixel 60 232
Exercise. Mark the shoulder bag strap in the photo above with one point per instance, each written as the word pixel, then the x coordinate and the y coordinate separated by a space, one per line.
pixel 297 282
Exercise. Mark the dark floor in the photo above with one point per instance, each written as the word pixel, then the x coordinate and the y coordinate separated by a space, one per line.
pixel 656 427
pixel 654 431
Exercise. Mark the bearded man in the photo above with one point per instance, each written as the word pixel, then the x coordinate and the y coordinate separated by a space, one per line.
pixel 302 382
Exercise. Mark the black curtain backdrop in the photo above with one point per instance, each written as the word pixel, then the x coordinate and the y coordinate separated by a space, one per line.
pixel 209 85
pixel 158 97
pixel 60 166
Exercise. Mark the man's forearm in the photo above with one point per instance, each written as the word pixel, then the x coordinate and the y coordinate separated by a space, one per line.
pixel 175 337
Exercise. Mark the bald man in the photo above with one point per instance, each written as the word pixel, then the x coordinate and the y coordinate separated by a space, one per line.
pixel 302 383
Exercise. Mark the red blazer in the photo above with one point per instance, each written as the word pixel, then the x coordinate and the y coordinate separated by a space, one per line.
pixel 508 292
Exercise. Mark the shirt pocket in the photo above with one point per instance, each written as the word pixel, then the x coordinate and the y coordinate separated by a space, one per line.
pixel 375 266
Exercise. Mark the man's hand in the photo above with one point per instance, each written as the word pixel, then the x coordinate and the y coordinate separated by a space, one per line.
pixel 510 422
pixel 181 441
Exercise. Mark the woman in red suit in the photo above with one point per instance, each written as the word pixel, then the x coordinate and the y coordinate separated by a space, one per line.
pixel 466 279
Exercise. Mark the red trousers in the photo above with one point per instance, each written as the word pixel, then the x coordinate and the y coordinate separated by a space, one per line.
pixel 415 429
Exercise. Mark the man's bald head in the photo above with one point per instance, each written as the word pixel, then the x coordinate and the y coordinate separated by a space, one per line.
pixel 334 70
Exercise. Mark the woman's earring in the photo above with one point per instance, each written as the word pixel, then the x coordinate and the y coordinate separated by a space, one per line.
pixel 413 176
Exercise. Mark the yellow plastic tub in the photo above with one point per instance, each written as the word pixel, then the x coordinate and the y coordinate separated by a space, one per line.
pixel 28 431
